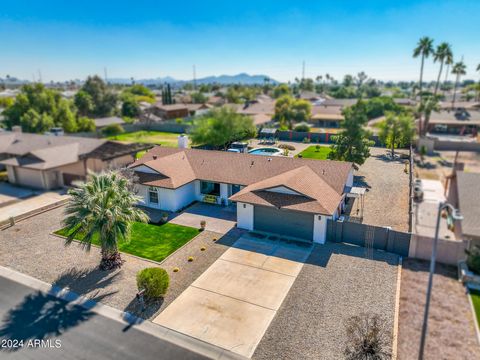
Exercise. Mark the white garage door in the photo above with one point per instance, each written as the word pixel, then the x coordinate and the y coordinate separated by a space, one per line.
pixel 29 178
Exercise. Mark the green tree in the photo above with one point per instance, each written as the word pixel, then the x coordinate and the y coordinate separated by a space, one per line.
pixel 424 49
pixel 301 110
pixel 103 207
pixel 100 102
pixel 65 117
pixel 281 90
pixel 378 106
pixel 396 131
pixel 130 107
pixel 113 130
pixel 444 55
pixel 220 127
pixel 34 122
pixel 352 143
pixel 199 98
pixel 458 69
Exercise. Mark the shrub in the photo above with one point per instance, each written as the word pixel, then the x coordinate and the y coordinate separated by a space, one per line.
pixel 203 248
pixel 112 130
pixel 473 259
pixel 306 140
pixel 286 146
pixel 190 259
pixel 302 128
pixel 176 269
pixel 154 280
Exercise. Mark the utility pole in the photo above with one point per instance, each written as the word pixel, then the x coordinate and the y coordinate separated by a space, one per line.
pixel 194 78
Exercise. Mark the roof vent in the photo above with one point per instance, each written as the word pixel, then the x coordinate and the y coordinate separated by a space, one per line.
pixel 154 157
pixel 323 172
pixel 253 162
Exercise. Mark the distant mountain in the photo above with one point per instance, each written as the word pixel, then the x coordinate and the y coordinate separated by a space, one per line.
pixel 243 78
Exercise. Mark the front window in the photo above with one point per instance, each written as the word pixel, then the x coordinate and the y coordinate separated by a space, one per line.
pixel 209 188
pixel 152 195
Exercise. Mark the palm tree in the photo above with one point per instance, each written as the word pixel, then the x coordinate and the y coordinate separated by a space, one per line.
pixel 103 207
pixel 425 108
pixel 444 55
pixel 458 69
pixel 425 49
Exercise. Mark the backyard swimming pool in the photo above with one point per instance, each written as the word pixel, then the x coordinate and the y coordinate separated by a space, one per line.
pixel 268 151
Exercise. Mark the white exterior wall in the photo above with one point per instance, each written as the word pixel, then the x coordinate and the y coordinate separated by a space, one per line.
pixel 350 178
pixel 244 216
pixel 168 199
pixel 29 178
pixel 11 174
pixel 320 228
pixel 283 190
pixel 185 195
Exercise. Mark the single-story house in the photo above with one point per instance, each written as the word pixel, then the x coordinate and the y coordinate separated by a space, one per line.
pixel 289 196
pixel 103 122
pixel 172 111
pixel 49 162
pixel 327 116
pixel 455 122
pixel 464 194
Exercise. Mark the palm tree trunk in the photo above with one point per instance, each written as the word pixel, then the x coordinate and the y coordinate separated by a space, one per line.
pixel 455 91
pixel 438 79
pixel 421 77
pixel 110 260
pixel 446 77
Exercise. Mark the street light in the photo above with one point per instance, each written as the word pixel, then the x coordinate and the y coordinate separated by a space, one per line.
pixel 452 214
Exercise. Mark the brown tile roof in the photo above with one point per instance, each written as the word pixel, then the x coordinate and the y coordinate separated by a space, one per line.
pixel 303 180
pixel 322 112
pixel 321 182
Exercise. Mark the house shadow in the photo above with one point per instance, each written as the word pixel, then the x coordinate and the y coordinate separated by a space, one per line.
pixel 386 157
pixel 41 316
pixel 360 181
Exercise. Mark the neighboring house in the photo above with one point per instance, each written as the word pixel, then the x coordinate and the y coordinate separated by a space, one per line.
pixel 464 194
pixel 468 105
pixel 103 122
pixel 289 196
pixel 49 162
pixel 197 109
pixel 455 122
pixel 172 111
pixel 327 116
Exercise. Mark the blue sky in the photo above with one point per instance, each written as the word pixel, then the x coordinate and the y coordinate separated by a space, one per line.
pixel 145 39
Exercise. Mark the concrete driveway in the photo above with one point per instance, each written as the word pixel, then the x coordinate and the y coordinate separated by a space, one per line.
pixel 234 301
pixel 220 219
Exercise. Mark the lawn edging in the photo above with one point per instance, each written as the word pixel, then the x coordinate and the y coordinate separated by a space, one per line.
pixel 474 313
pixel 397 309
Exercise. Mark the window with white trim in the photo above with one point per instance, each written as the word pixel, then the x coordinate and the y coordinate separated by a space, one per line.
pixel 152 195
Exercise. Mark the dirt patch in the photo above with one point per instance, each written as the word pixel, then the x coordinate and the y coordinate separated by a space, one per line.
pixel 451 331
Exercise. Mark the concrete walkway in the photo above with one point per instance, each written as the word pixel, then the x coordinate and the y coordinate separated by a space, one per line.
pixel 220 219
pixel 31 204
pixel 233 302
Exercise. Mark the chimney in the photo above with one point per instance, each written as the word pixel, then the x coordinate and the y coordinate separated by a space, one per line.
pixel 182 141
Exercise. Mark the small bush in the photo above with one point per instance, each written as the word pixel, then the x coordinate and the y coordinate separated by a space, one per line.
pixel 112 130
pixel 286 146
pixel 190 258
pixel 154 280
pixel 203 248
pixel 302 128
pixel 176 269
pixel 214 239
pixel 473 259
pixel 306 140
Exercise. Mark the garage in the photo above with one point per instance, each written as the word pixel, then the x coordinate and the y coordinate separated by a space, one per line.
pixel 284 222
pixel 28 177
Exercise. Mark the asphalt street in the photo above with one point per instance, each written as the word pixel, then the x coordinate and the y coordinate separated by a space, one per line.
pixel 37 326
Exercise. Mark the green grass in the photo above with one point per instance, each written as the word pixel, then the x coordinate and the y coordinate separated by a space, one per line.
pixel 152 137
pixel 153 242
pixel 312 153
pixel 476 303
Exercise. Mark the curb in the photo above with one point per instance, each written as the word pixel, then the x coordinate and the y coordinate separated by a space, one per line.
pixel 397 310
pixel 158 331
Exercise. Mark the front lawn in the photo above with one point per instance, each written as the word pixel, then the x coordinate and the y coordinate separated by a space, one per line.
pixel 476 303
pixel 154 242
pixel 312 153
pixel 151 137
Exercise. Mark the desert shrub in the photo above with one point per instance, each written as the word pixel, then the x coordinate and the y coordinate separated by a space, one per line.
pixel 367 338
pixel 112 130
pixel 302 128
pixel 306 140
pixel 287 146
pixel 154 280
pixel 473 259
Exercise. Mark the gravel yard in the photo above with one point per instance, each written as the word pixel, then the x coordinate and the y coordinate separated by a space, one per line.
pixel 451 331
pixel 29 247
pixel 335 283
pixel 386 202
